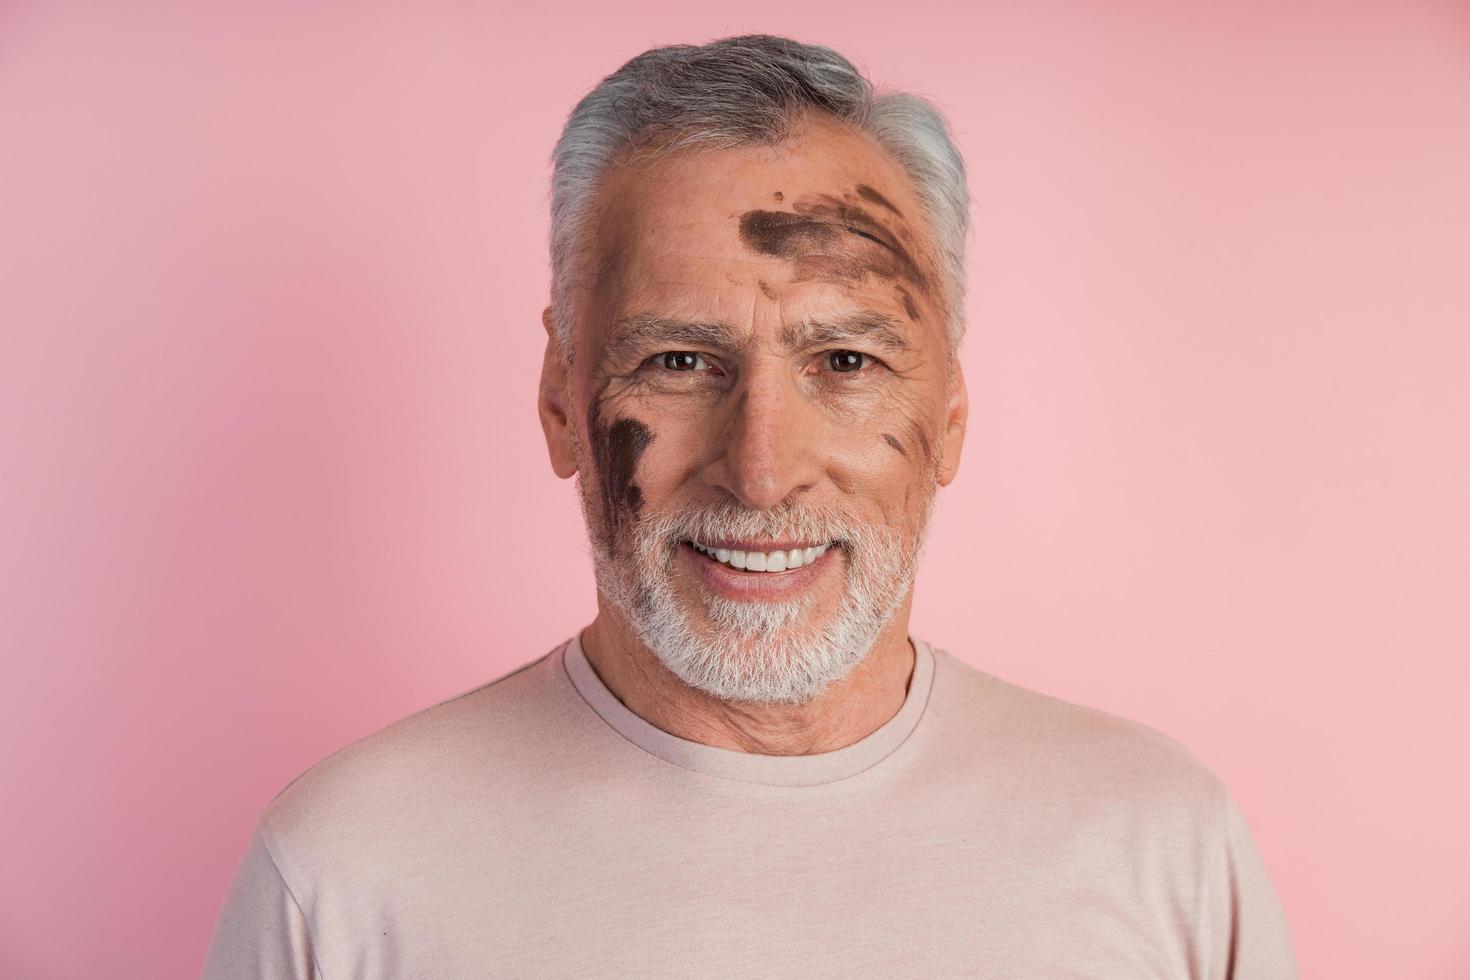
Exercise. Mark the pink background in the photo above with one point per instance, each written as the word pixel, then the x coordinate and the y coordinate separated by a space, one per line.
pixel 272 475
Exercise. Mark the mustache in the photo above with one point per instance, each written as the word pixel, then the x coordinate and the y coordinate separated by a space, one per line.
pixel 730 519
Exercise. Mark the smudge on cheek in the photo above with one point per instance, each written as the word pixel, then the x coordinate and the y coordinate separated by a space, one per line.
pixel 921 438
pixel 616 449
pixel 778 196
pixel 912 439
pixel 626 441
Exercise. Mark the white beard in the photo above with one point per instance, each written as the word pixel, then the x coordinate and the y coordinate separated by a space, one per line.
pixel 757 650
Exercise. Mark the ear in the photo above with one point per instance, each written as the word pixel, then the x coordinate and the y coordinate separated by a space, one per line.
pixel 554 403
pixel 957 413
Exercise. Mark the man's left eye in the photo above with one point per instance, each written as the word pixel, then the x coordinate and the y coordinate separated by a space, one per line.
pixel 682 360
pixel 848 361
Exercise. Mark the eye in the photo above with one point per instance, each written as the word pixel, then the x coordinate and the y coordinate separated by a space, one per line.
pixel 847 361
pixel 681 360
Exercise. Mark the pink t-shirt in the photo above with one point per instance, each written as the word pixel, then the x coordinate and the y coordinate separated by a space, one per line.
pixel 534 826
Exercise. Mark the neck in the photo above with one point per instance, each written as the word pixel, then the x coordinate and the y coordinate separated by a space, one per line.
pixel 848 710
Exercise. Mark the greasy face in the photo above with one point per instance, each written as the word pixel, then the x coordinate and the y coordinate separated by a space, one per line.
pixel 761 406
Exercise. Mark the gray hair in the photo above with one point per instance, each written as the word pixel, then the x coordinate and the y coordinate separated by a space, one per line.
pixel 739 91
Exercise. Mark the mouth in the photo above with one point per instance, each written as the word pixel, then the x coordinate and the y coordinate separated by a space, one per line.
pixel 762 570
pixel 761 559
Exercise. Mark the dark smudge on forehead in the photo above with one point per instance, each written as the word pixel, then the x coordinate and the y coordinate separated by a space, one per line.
pixel 832 239
pixel 868 194
pixel 909 306
pixel 897 446
pixel 779 197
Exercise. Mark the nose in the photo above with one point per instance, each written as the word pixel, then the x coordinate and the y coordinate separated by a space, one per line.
pixel 769 440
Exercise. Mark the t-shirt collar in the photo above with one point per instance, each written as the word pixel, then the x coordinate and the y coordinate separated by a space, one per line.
pixel 751 767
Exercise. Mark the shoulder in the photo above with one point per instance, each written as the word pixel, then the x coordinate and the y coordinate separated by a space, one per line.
pixel 409 771
pixel 1045 743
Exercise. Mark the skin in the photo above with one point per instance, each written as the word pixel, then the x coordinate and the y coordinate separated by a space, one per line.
pixel 760 240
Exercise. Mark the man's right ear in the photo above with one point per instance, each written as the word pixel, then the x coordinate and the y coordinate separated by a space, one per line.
pixel 554 403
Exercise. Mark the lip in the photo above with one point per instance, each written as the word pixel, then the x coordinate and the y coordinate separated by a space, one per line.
pixel 732 583
pixel 748 546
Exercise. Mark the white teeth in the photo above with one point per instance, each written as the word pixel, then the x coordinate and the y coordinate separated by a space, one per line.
pixel 764 561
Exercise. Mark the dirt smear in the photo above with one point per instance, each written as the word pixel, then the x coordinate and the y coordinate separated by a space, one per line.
pixel 615 451
pixel 833 239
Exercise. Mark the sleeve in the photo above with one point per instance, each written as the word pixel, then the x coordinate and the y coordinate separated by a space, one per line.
pixel 1249 939
pixel 261 932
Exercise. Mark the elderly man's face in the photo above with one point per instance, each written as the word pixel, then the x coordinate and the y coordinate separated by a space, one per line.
pixel 761 379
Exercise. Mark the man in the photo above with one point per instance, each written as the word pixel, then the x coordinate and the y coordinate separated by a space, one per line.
pixel 747 765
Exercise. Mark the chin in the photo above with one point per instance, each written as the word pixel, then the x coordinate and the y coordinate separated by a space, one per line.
pixel 775 637
pixel 757 652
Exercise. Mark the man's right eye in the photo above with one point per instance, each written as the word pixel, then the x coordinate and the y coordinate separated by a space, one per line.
pixel 681 360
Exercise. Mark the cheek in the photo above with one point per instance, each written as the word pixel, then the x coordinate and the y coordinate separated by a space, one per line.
pixel 617 445
pixel 617 440
pixel 886 454
pixel 670 448
pixel 873 446
pixel 896 419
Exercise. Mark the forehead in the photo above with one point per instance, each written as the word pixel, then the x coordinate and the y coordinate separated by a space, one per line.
pixel 823 221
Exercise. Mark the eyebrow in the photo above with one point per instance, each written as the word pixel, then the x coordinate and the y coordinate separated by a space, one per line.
pixel 877 328
pixel 643 331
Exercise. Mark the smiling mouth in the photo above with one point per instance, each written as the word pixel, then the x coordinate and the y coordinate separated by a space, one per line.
pixel 780 560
